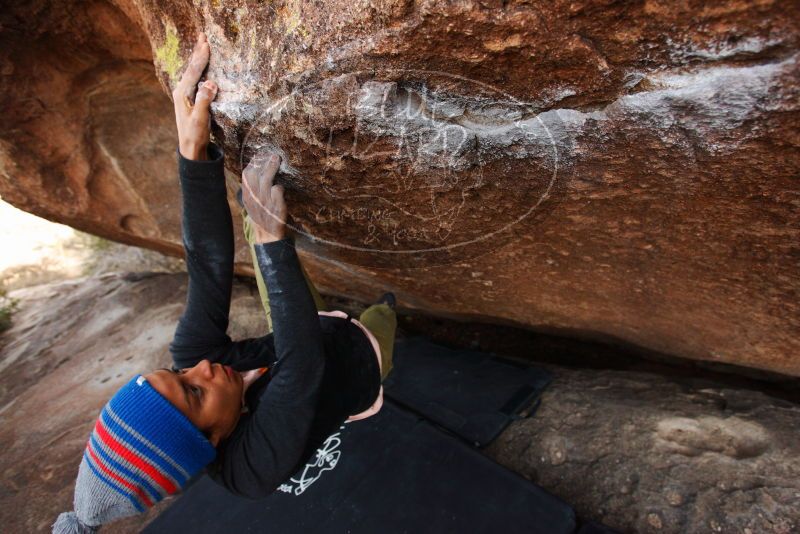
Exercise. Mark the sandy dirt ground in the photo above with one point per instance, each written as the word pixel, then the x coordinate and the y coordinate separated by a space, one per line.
pixel 37 251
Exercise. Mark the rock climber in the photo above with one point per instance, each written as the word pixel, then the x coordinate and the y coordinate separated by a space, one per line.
pixel 249 412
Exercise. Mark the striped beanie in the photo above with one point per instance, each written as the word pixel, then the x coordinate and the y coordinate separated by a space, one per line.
pixel 141 450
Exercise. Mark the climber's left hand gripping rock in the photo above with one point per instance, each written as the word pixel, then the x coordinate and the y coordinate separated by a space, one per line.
pixel 263 199
pixel 192 111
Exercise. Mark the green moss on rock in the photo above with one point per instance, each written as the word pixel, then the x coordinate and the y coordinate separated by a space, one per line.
pixel 168 54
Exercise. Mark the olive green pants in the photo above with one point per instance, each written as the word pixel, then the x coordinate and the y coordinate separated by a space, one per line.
pixel 380 319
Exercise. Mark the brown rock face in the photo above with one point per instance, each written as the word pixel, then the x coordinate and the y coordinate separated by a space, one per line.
pixel 626 171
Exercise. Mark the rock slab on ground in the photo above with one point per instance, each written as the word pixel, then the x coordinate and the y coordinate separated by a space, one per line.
pixel 623 171
pixel 648 453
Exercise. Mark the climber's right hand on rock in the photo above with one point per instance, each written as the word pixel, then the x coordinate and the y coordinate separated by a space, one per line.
pixel 192 112
pixel 263 200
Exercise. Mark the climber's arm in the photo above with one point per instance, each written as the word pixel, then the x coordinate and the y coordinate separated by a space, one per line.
pixel 295 323
pixel 266 451
pixel 207 226
pixel 208 245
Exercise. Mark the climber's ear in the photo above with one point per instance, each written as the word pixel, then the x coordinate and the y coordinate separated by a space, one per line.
pixel 183 95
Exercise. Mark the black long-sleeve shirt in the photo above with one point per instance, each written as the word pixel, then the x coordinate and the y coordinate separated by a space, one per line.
pixel 322 369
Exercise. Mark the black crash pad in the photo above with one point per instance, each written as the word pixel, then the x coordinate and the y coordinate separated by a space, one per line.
pixel 472 394
pixel 393 472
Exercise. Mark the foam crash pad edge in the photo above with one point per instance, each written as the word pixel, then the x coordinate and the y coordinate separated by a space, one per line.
pixel 473 394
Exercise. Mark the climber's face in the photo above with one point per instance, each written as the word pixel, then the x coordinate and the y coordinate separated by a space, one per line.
pixel 209 395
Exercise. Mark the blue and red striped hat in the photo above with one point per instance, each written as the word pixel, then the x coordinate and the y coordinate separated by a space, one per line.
pixel 141 450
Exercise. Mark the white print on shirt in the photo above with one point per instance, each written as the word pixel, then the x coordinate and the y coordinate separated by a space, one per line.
pixel 326 458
